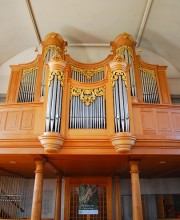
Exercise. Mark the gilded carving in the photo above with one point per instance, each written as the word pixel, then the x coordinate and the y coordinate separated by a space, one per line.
pixel 116 74
pixel 30 70
pixel 54 47
pixel 59 74
pixel 87 96
pixel 151 72
pixel 88 72
pixel 122 48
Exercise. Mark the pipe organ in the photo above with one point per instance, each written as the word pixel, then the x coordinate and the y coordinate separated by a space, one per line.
pixel 92 99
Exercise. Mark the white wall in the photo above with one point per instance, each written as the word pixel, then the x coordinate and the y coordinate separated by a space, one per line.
pixel 24 57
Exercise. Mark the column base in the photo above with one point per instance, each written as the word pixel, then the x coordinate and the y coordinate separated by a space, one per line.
pixel 123 142
pixel 52 141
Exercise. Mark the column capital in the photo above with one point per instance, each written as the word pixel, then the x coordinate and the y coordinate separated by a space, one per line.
pixel 39 165
pixel 134 166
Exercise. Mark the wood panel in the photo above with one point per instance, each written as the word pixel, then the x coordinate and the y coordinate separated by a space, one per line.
pixel 156 121
pixel 176 121
pixel 163 121
pixel 13 120
pixel 27 121
pixel 21 119
pixel 2 119
pixel 148 121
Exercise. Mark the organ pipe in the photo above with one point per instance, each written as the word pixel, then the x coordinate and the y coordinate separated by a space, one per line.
pixel 27 85
pixel 49 52
pixel 119 80
pixel 149 86
pixel 127 53
pixel 87 108
pixel 87 75
pixel 55 93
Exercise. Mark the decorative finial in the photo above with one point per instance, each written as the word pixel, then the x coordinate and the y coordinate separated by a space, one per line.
pixel 53 34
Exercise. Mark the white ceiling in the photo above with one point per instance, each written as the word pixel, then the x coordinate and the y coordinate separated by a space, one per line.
pixel 155 24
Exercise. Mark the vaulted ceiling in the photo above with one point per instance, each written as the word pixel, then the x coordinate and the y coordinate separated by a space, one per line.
pixel 154 24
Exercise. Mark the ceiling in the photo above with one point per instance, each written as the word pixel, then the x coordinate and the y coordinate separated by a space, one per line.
pixel 154 24
pixel 150 166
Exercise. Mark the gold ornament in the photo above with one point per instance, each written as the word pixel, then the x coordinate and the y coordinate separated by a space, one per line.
pixel 59 74
pixel 88 73
pixel 116 74
pixel 122 48
pixel 151 72
pixel 54 47
pixel 27 71
pixel 87 96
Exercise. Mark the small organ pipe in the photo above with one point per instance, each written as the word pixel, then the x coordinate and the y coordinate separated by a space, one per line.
pixel 57 110
pixel 48 111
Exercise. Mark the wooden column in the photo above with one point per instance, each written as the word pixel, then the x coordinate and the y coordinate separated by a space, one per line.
pixel 118 198
pixel 57 211
pixel 136 192
pixel 38 191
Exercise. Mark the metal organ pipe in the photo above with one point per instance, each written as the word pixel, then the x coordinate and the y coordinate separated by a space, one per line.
pixel 82 115
pixel 87 76
pixel 149 86
pixel 27 85
pixel 118 68
pixel 54 105
pixel 128 57
pixel 50 50
pixel 85 113
pixel 55 93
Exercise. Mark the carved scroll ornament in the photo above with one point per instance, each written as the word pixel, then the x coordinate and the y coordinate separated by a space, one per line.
pixel 150 72
pixel 116 74
pixel 54 47
pixel 59 74
pixel 27 71
pixel 87 96
pixel 88 72
pixel 122 48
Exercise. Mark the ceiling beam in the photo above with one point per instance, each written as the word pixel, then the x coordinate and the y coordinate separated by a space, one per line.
pixel 33 20
pixel 143 22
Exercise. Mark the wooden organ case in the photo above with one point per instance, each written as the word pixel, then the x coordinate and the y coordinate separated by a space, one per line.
pixel 98 102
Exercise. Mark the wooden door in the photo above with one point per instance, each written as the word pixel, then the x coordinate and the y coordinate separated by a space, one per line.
pixel 104 196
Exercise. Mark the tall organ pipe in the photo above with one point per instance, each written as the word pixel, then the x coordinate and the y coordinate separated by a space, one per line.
pixel 121 112
pixel 55 93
